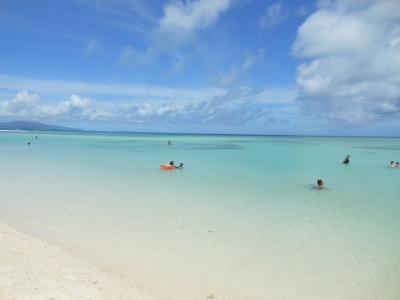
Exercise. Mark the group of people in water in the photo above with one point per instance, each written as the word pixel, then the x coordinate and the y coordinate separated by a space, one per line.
pixel 346 161
pixel 320 182
pixel 29 143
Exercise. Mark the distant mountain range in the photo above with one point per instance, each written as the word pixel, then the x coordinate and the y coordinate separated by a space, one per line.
pixel 35 126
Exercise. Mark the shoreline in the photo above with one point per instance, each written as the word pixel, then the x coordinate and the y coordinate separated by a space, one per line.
pixel 34 269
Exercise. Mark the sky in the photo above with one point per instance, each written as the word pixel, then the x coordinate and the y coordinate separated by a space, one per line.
pixel 328 67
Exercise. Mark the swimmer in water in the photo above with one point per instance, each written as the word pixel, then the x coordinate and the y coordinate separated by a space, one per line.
pixel 169 143
pixel 28 143
pixel 346 160
pixel 320 184
pixel 392 164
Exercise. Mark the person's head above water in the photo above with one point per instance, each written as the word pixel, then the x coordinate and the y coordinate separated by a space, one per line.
pixel 171 163
pixel 320 183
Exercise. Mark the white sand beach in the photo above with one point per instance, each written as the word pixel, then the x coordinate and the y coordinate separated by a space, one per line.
pixel 33 269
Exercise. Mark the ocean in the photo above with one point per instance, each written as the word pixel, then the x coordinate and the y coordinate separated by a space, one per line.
pixel 239 221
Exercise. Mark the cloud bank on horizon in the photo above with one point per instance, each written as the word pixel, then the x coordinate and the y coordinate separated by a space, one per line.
pixel 214 64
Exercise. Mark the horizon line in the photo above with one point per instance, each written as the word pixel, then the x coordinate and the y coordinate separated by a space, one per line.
pixel 83 131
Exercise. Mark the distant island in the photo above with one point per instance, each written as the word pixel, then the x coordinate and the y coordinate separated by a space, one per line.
pixel 34 126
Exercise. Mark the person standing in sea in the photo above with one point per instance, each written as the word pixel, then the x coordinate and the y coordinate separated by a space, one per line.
pixel 346 161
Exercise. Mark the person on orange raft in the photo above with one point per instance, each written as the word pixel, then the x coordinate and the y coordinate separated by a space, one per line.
pixel 171 163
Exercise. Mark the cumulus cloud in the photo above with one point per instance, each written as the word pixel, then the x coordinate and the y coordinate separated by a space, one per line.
pixel 22 104
pixel 274 15
pixel 235 107
pixel 27 105
pixel 352 69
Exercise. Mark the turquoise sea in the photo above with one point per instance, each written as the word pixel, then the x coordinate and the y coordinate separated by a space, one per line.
pixel 239 221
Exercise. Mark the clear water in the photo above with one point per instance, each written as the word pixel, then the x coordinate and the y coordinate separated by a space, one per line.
pixel 240 221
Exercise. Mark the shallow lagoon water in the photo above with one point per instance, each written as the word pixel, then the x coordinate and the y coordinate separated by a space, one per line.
pixel 240 221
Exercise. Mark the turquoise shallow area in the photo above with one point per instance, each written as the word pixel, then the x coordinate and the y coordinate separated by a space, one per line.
pixel 242 204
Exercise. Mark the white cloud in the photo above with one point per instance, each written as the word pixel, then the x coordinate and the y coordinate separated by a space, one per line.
pixel 274 15
pixel 178 26
pixel 353 70
pixel 22 104
pixel 27 105
pixel 235 107
pixel 182 19
pixel 337 33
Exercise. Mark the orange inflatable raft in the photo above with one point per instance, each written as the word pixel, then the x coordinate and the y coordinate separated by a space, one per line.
pixel 167 167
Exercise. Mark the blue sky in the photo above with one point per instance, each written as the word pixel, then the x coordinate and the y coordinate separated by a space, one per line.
pixel 218 66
